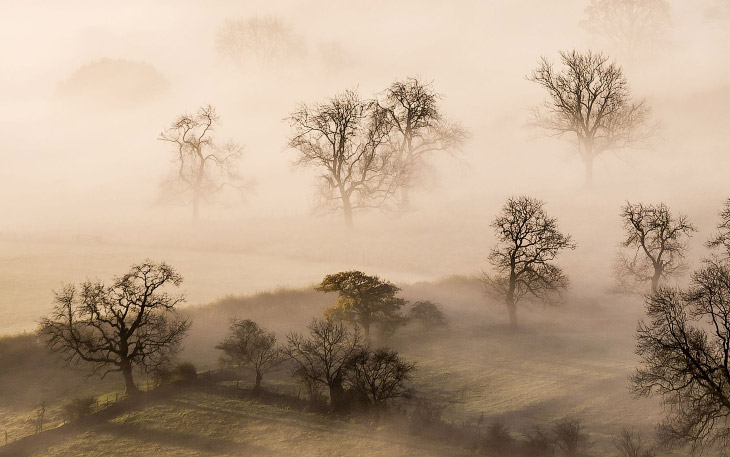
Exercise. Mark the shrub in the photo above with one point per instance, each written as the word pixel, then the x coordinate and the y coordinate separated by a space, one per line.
pixel 427 314
pixel 184 372
pixel 78 408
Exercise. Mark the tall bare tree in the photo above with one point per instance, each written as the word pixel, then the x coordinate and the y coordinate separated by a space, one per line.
pixel 528 242
pixel 203 167
pixel 322 357
pixel 590 99
pixel 363 300
pixel 418 130
pixel 247 344
pixel 343 137
pixel 684 349
pixel 658 241
pixel 722 238
pixel 117 327
pixel 628 26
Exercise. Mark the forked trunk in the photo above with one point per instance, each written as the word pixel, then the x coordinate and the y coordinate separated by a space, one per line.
pixel 257 386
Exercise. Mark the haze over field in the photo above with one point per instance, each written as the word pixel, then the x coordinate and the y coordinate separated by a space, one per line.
pixel 90 88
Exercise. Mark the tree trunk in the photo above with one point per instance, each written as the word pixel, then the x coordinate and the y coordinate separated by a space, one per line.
pixel 196 200
pixel 655 279
pixel 347 209
pixel 588 163
pixel 337 396
pixel 126 369
pixel 257 386
pixel 511 305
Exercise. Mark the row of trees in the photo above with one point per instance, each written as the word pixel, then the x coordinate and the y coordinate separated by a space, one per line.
pixel 370 152
pixel 528 241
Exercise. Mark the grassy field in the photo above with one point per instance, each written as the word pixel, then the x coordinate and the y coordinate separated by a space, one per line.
pixel 570 361
pixel 211 424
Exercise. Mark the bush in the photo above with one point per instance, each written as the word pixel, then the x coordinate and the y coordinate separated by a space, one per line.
pixel 427 314
pixel 498 441
pixel 184 372
pixel 538 444
pixel 78 408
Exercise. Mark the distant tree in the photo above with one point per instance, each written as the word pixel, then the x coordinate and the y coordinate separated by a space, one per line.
pixel 249 345
pixel 570 438
pixel 658 240
pixel 381 375
pixel 363 300
pixel 630 444
pixel 263 40
pixel 417 130
pixel 628 26
pixel 203 167
pixel 684 349
pixel 528 242
pixel 322 357
pixel 129 323
pixel 342 138
pixel 590 98
pixel 722 238
pixel 428 314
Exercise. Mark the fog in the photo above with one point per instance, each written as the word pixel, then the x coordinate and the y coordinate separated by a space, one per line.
pixel 87 87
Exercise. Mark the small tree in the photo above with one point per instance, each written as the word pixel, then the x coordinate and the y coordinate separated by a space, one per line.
pixel 528 242
pixel 630 444
pixel 129 323
pixel 570 438
pixel 417 130
pixel 722 238
pixel 428 314
pixel 658 240
pixel 628 26
pixel 203 167
pixel 247 344
pixel 342 138
pixel 381 375
pixel 363 300
pixel 322 357
pixel 590 99
pixel 684 349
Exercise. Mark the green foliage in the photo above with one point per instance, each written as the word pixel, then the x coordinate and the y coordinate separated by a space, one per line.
pixel 363 300
pixel 428 314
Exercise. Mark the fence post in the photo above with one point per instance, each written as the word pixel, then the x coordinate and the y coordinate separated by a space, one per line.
pixel 97 405
pixel 6 437
pixel 116 397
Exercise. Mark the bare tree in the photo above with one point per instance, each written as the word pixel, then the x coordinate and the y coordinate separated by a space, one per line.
pixel 343 137
pixel 628 26
pixel 684 349
pixel 418 130
pixel 263 40
pixel 321 358
pixel 129 323
pixel 590 98
pixel 381 375
pixel 722 238
pixel 658 241
pixel 528 242
pixel 630 444
pixel 570 438
pixel 363 300
pixel 247 344
pixel 203 167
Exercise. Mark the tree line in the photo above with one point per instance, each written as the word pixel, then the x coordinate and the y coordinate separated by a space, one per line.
pixel 370 153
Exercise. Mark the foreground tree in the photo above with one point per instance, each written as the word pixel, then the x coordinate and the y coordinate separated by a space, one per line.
pixel 722 238
pixel 528 242
pixel 342 138
pixel 322 357
pixel 249 345
pixel 418 130
pixel 658 240
pixel 381 375
pixel 117 327
pixel 684 349
pixel 590 98
pixel 363 300
pixel 628 26
pixel 203 167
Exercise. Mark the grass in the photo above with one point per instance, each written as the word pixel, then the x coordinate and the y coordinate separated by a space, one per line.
pixel 198 423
